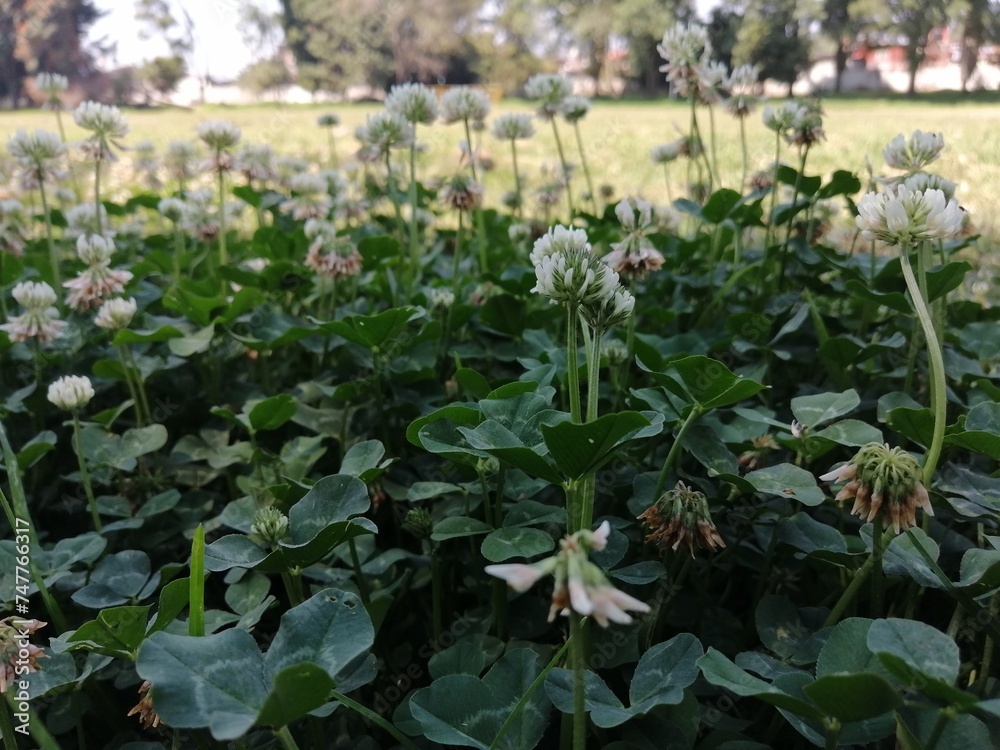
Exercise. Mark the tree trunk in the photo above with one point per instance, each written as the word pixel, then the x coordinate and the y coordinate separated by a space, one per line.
pixel 911 88
pixel 840 60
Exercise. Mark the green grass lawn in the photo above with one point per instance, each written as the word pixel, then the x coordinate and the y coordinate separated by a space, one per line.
pixel 618 137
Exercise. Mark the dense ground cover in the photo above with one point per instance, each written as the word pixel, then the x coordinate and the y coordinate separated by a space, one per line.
pixel 320 470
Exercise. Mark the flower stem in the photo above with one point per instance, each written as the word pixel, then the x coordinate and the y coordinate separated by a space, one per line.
pixel 774 191
pixel 84 474
pixel 746 160
pixel 523 701
pixel 285 738
pixel 53 255
pixel 565 170
pixel 391 185
pixel 477 211
pixel 572 365
pixel 373 717
pixel 517 177
pixel 223 252
pixel 97 196
pixel 878 575
pixel 586 169
pixel 414 249
pixel 358 573
pixel 937 377
pixel 127 365
pixel 675 449
pixel 579 684
pixel 666 181
pixel 331 142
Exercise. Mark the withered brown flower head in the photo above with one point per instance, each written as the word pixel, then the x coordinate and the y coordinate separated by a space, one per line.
pixel 884 482
pixel 681 517
pixel 147 715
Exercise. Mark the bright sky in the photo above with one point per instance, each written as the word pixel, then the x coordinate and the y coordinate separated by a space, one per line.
pixel 219 50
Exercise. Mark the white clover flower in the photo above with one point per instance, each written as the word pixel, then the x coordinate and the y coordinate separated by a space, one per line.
pixel 414 101
pixel 512 127
pixel 665 153
pixel 440 297
pixel 289 166
pixel 712 77
pixel 82 219
pixel 922 182
pixel 462 193
pixel 103 120
pixel 219 135
pixel 518 231
pixel 38 157
pixel 741 85
pixel 635 214
pixel 255 161
pixel 900 216
pixel 329 120
pixel 34 295
pixel 615 309
pixel 551 91
pixel 40 319
pixel 172 209
pixel 319 228
pixel 336 183
pixel 384 131
pixel 684 44
pixel 462 103
pixel 51 84
pixel 559 239
pixel 575 108
pixel 71 392
pixel 783 116
pixel 115 314
pixel 93 249
pixel 917 153
pixel 575 277
pixel 307 183
pixel 181 159
pixel 13 227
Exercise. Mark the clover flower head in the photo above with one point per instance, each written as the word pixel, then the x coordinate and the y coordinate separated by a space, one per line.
pixel 17 656
pixel 513 126
pixel 71 392
pixel 712 78
pixel 575 108
pixel 441 297
pixel 219 135
pixel 103 120
pixel 634 214
pixel 34 295
pixel 784 116
pixel 384 131
pixel 559 239
pixel 269 526
pixel 884 482
pixel 462 103
pixel 115 314
pixel 94 249
pixel 255 161
pixel 414 101
pixel 900 216
pixel 51 84
pixel 680 517
pixel 462 193
pixel 684 44
pixel 665 153
pixel 172 209
pixel 913 154
pixel 576 277
pixel 551 91
pixel 329 120
pixel 922 182
pixel 181 159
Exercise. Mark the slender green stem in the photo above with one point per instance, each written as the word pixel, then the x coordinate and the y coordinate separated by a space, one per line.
pixel 196 585
pixel 332 143
pixel 878 574
pixel 36 727
pixel 97 195
pixel 579 685
pixel 293 587
pixel 285 738
pixel 391 185
pixel 988 649
pixel 7 728
pixel 666 181
pixel 594 374
pixel 586 168
pixel 791 219
pixel 374 718
pixel 53 254
pixel 126 361
pixel 178 251
pixel 84 474
pixel 946 715
pixel 414 247
pixel 860 576
pixel 572 365
pixel 715 153
pixel 517 177
pixel 746 158
pixel 565 170
pixel 523 701
pixel 768 233
pixel 937 376
pixel 436 594
pixel 223 252
pixel 675 449
pixel 477 211
pixel 358 573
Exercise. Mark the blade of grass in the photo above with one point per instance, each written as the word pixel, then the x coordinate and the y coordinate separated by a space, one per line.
pixel 196 590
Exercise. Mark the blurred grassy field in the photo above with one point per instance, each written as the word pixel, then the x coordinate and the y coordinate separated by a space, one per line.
pixel 618 137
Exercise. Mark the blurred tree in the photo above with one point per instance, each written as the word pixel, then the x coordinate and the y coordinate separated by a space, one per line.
pixel 846 22
pixel 723 31
pixel 913 20
pixel 265 76
pixel 340 42
pixel 641 24
pixel 157 19
pixel 161 75
pixel 774 35
pixel 980 22
pixel 260 31
pixel 42 36
pixel 513 42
